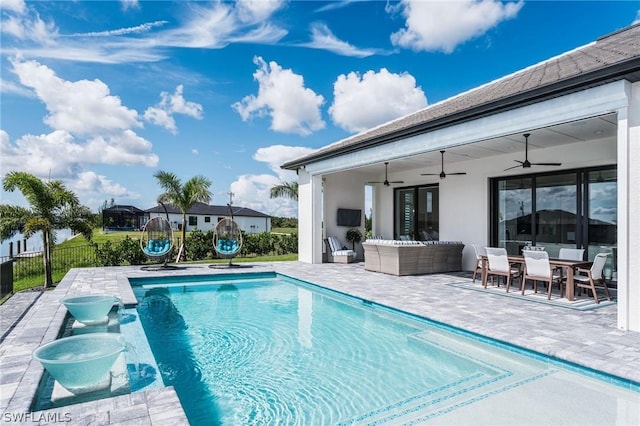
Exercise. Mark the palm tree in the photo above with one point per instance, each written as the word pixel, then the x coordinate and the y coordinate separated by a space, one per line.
pixel 286 190
pixel 183 197
pixel 52 206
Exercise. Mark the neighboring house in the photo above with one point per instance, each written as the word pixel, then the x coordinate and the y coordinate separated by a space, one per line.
pixel 205 217
pixel 581 109
pixel 123 218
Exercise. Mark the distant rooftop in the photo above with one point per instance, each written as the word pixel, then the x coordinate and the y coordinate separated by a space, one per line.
pixel 206 209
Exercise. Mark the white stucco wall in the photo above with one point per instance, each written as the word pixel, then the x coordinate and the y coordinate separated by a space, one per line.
pixel 464 200
pixel 260 224
pixel 343 190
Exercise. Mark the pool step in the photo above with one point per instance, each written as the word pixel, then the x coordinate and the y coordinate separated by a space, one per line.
pixel 497 372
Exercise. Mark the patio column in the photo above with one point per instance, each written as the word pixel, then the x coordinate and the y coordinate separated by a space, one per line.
pixel 309 217
pixel 629 211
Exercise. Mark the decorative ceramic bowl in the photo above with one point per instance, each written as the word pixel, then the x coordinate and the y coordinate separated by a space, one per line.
pixel 80 363
pixel 90 309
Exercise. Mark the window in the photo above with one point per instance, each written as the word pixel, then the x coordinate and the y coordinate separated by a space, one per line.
pixel 207 219
pixel 416 213
pixel 573 209
pixel 193 220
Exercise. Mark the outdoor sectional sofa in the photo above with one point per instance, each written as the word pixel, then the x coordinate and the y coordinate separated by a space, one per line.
pixel 412 257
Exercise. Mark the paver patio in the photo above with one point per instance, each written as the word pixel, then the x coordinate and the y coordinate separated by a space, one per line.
pixel 588 338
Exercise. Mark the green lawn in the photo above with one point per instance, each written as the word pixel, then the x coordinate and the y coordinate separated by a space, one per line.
pixel 100 237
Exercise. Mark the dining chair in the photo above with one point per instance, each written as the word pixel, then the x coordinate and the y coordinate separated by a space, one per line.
pixel 479 251
pixel 538 268
pixel 571 253
pixel 498 265
pixel 593 278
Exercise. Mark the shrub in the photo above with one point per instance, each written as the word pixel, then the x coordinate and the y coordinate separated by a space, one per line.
pixel 199 245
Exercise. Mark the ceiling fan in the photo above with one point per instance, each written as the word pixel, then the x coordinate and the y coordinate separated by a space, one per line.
pixel 526 163
pixel 386 180
pixel 442 174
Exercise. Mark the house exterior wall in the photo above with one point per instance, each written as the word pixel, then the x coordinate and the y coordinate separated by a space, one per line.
pixel 343 190
pixel 629 211
pixel 464 200
pixel 260 224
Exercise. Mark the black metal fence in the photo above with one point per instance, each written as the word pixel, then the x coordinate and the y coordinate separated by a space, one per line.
pixel 31 264
pixel 6 278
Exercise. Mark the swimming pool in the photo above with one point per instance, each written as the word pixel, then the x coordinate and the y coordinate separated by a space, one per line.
pixel 267 349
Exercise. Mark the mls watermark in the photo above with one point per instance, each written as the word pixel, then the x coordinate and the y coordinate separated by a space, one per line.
pixel 38 417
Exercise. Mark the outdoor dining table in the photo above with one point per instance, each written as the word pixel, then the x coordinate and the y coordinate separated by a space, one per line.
pixel 568 265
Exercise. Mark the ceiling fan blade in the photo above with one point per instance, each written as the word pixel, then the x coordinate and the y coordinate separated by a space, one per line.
pixel 429 174
pixel 375 182
pixel 546 164
pixel 396 181
pixel 457 173
pixel 514 167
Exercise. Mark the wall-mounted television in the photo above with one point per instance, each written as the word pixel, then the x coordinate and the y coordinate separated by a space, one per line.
pixel 349 217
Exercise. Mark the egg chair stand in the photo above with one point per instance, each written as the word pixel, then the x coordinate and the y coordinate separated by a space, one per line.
pixel 156 241
pixel 227 239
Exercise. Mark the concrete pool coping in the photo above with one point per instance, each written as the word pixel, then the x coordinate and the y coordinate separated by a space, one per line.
pixel 587 338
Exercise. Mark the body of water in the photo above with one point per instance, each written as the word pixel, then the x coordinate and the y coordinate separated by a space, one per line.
pixel 33 244
pixel 256 349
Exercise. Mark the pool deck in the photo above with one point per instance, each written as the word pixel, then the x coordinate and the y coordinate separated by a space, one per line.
pixel 587 338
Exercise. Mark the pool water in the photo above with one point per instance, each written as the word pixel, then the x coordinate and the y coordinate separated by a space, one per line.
pixel 266 349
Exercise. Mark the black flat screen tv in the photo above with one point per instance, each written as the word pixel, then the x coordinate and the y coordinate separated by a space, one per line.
pixel 349 217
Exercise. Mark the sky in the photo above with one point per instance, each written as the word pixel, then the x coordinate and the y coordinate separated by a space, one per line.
pixel 103 94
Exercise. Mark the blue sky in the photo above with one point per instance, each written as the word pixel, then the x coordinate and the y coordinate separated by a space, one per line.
pixel 102 94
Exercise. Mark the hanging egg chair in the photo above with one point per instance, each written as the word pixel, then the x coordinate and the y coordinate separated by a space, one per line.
pixel 157 239
pixel 227 239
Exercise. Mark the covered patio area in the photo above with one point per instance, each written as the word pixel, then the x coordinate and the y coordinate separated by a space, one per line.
pixel 546 156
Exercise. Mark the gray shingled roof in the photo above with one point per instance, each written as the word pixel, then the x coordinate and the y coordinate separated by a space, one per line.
pixel 209 210
pixel 612 57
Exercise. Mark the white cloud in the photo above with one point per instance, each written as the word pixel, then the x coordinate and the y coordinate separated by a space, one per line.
pixel 637 20
pixel 282 96
pixel 254 191
pixel 90 127
pixel 257 10
pixel 91 183
pixel 25 24
pixel 323 38
pixel 81 107
pixel 55 154
pixel 276 155
pixel 214 26
pixel 162 113
pixel 124 148
pixel 142 28
pixel 441 26
pixel 364 102
pixel 60 156
pixel 130 4
pixel 17 6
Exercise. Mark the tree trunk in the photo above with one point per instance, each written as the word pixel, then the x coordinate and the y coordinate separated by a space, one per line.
pixel 46 256
pixel 183 249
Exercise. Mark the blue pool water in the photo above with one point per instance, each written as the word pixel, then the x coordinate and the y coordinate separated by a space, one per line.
pixel 266 349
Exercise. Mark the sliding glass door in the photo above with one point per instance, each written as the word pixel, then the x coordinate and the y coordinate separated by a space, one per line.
pixel 602 211
pixel 575 209
pixel 416 213
pixel 556 199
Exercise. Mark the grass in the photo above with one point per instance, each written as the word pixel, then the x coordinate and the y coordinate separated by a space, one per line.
pixel 30 282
